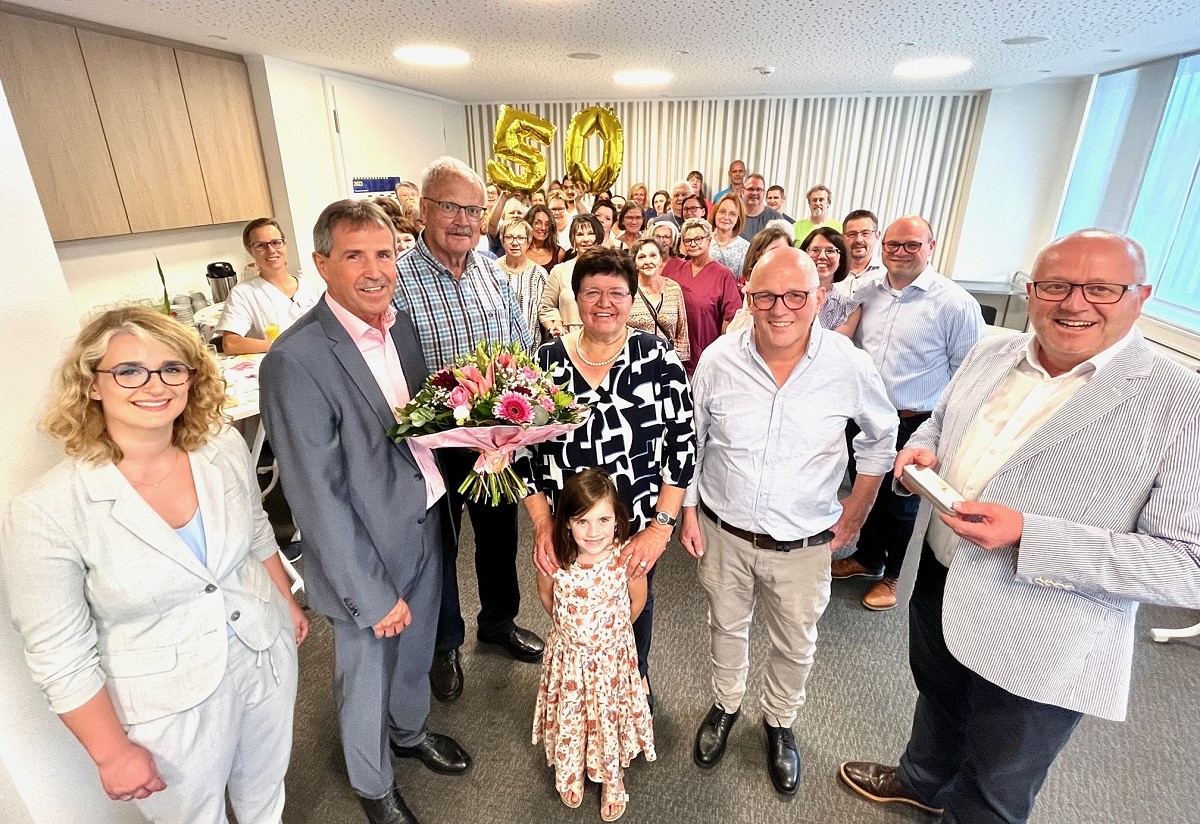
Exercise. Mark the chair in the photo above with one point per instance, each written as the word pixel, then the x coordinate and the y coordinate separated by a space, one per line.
pixel 989 314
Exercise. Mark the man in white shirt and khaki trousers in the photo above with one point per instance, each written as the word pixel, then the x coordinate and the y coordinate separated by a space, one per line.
pixel 1076 451
pixel 745 518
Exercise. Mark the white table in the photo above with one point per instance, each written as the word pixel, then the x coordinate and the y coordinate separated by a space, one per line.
pixel 241 384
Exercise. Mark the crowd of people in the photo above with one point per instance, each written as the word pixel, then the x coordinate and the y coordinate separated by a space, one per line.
pixel 739 367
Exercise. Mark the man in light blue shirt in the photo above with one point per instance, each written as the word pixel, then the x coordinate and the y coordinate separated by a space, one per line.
pixel 917 326
pixel 771 407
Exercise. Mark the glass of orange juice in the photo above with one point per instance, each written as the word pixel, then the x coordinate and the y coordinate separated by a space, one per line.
pixel 272 330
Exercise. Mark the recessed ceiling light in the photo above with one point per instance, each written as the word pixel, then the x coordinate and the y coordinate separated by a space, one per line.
pixel 906 43
pixel 928 68
pixel 421 55
pixel 1112 51
pixel 1044 71
pixel 583 56
pixel 642 77
pixel 1027 40
pixel 682 51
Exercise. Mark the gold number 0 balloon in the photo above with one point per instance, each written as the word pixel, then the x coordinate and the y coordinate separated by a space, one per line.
pixel 513 129
pixel 602 121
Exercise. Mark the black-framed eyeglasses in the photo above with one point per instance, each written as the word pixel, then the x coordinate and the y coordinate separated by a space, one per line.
pixel 1056 291
pixel 264 245
pixel 134 376
pixel 451 209
pixel 694 241
pixel 910 246
pixel 792 300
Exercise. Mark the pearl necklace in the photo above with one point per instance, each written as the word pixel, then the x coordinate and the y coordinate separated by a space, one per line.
pixel 598 364
pixel 160 480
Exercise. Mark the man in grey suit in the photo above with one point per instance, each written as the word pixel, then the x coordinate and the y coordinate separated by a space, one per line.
pixel 369 509
pixel 1075 449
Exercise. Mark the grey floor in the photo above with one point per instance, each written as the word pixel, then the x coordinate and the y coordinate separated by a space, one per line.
pixel 860 699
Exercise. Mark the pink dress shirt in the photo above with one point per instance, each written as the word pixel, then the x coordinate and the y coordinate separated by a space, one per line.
pixel 379 351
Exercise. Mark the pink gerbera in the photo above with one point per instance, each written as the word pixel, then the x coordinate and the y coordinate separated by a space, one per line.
pixel 513 408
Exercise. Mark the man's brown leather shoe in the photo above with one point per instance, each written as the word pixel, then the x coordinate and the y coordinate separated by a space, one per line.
pixel 878 782
pixel 882 596
pixel 850 568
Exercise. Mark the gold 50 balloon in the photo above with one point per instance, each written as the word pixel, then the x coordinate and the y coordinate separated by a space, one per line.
pixel 517 131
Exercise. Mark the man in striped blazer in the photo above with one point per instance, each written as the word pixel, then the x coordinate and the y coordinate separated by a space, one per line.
pixel 1076 450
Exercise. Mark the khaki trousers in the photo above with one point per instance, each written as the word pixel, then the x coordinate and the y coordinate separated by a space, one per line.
pixel 794 590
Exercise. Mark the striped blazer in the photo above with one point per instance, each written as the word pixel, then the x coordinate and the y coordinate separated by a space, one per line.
pixel 1110 491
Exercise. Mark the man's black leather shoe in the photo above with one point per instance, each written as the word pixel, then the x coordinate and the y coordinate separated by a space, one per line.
pixel 783 761
pixel 712 737
pixel 390 809
pixel 438 752
pixel 517 642
pixel 446 676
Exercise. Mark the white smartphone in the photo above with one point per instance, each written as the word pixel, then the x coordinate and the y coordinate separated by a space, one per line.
pixel 933 488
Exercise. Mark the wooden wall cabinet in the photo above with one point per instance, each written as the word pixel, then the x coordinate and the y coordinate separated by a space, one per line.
pixel 126 135
pixel 46 83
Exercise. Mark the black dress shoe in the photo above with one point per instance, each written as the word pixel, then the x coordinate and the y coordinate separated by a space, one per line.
pixel 446 676
pixel 438 752
pixel 712 737
pixel 517 642
pixel 783 761
pixel 880 783
pixel 390 809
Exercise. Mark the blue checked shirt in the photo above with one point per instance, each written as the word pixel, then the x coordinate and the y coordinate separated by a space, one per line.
pixel 453 315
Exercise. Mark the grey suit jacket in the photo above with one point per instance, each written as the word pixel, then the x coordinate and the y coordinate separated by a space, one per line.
pixel 357 497
pixel 104 592
pixel 1110 491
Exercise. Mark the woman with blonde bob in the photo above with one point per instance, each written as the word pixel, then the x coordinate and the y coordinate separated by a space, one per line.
pixel 144 580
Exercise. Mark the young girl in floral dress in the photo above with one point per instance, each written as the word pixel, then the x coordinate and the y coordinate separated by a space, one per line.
pixel 591 708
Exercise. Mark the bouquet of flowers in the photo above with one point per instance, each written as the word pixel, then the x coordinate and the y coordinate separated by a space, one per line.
pixel 494 400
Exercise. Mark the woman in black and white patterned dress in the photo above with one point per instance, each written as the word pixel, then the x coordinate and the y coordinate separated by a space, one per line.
pixel 640 428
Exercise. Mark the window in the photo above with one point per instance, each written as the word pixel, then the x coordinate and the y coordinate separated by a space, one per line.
pixel 1137 171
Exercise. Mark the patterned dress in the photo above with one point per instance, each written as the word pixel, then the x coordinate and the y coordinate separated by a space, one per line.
pixel 591 711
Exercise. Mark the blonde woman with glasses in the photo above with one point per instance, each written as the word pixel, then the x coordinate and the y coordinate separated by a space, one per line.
pixel 145 583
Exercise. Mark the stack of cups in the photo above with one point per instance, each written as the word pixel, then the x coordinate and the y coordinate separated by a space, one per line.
pixel 181 309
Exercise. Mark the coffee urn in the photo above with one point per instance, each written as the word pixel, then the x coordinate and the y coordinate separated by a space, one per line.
pixel 221 278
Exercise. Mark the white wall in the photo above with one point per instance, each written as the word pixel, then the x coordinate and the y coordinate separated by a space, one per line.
pixel 108 269
pixel 385 130
pixel 55 781
pixel 1021 169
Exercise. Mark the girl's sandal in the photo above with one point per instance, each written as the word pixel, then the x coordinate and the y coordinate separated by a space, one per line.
pixel 614 800
pixel 573 788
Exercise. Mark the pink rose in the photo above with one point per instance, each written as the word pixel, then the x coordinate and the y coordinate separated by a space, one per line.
pixel 459 397
pixel 546 403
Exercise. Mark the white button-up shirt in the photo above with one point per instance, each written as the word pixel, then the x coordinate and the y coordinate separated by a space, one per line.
pixel 770 458
pixel 1020 405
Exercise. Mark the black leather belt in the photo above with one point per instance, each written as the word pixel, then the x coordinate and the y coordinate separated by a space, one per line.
pixel 760 541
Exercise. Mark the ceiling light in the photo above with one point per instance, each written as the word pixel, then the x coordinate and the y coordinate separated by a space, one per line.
pixel 583 56
pixel 929 68
pixel 1112 51
pixel 1027 40
pixel 432 55
pixel 906 43
pixel 217 37
pixel 642 77
pixel 1043 71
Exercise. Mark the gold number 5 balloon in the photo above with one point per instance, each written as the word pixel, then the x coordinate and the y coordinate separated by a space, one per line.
pixel 584 124
pixel 514 131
